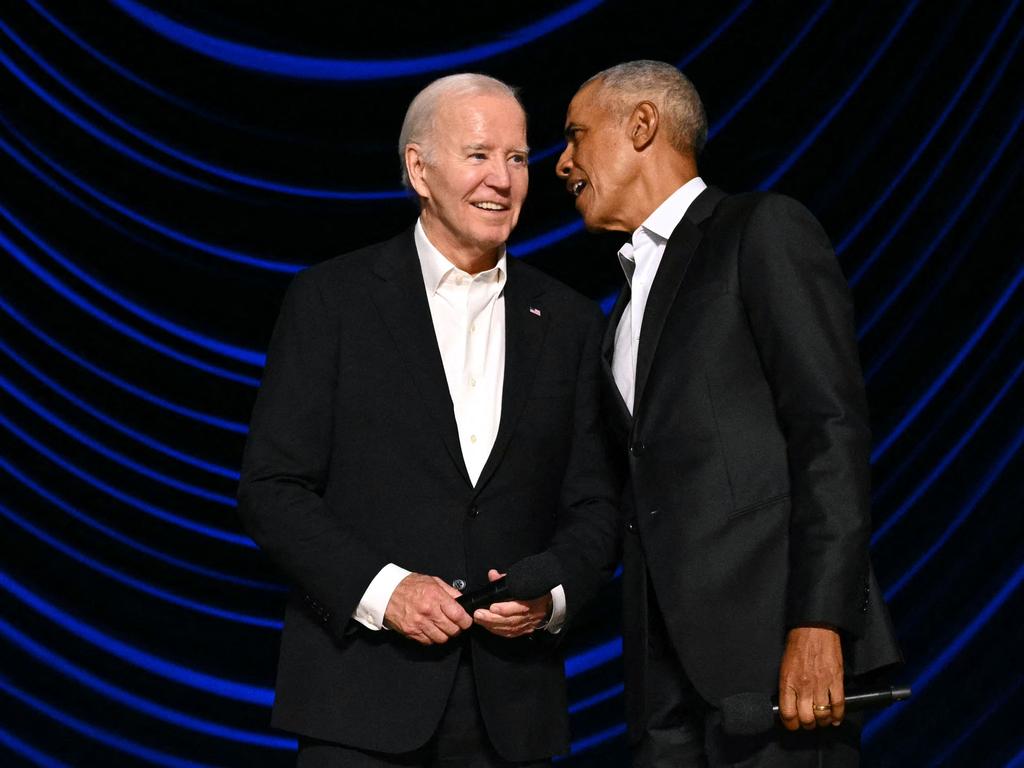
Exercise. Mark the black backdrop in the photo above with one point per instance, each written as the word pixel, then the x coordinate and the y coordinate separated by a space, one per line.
pixel 166 166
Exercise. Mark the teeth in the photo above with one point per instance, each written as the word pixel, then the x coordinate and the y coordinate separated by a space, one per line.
pixel 578 187
pixel 487 206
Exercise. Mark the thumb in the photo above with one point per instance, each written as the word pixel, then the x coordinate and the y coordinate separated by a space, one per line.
pixel 493 575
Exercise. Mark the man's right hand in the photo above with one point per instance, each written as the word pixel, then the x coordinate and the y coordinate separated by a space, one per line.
pixel 423 608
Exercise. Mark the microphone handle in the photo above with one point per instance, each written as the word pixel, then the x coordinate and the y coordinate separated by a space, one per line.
pixel 870 699
pixel 482 596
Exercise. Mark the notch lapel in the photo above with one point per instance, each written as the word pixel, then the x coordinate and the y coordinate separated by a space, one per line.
pixel 524 338
pixel 401 299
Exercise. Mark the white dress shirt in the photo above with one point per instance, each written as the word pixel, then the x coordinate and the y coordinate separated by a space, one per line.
pixel 468 312
pixel 640 259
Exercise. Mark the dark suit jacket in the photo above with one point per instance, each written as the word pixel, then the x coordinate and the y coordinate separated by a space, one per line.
pixel 353 461
pixel 748 503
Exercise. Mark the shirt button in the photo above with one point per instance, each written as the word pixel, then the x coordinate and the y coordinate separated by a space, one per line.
pixel 637 448
pixel 459 584
pixel 472 438
pixel 472 382
pixel 472 328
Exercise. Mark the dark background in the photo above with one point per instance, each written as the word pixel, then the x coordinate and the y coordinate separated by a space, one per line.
pixel 157 193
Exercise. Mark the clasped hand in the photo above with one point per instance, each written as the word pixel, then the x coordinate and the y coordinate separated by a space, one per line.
pixel 811 679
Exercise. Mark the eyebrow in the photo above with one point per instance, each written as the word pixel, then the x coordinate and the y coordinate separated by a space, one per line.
pixel 475 147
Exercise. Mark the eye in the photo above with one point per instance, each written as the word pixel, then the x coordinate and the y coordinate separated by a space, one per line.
pixel 518 160
pixel 478 156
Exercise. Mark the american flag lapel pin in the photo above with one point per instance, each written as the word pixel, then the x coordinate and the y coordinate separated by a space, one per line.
pixel 534 311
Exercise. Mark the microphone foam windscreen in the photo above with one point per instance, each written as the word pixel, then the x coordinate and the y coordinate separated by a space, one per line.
pixel 747 714
pixel 534 576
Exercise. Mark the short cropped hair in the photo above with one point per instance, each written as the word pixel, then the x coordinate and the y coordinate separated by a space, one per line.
pixel 421 117
pixel 681 108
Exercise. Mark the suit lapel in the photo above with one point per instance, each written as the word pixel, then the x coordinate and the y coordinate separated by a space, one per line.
pixel 402 302
pixel 608 353
pixel 524 337
pixel 674 263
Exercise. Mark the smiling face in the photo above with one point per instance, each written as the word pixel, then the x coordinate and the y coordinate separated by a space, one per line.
pixel 473 180
pixel 599 163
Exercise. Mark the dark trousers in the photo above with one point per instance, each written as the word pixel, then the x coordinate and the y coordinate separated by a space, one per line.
pixel 460 740
pixel 684 731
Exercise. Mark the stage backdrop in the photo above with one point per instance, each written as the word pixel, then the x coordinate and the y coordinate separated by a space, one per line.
pixel 168 166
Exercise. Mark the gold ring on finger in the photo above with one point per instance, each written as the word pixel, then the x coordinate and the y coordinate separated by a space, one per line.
pixel 822 707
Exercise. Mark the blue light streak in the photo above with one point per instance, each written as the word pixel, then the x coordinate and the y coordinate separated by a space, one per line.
pixel 322 68
pixel 186 676
pixel 856 229
pixel 526 247
pixel 138 584
pixel 157 711
pixel 717 32
pixel 773 178
pixel 937 471
pixel 598 738
pixel 113 423
pixel 990 478
pixel 143 506
pixel 940 662
pixel 96 733
pixel 950 368
pixel 112 322
pixel 125 386
pixel 129 542
pixel 594 657
pixel 118 458
pixel 249 356
pixel 27 751
pixel 597 698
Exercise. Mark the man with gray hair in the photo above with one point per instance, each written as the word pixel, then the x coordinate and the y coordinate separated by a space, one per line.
pixel 429 416
pixel 734 387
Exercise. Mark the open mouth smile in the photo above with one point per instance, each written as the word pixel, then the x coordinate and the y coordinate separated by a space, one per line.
pixel 485 205
pixel 576 188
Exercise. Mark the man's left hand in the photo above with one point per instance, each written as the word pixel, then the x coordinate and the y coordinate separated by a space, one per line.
pixel 811 679
pixel 513 618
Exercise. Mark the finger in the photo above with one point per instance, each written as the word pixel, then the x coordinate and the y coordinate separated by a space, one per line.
pixel 822 708
pixel 456 614
pixel 493 575
pixel 838 696
pixel 435 633
pixel 448 588
pixel 805 708
pixel 510 608
pixel 485 617
pixel 787 708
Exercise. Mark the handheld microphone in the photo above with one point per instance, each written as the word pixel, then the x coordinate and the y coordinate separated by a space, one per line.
pixel 531 577
pixel 749 714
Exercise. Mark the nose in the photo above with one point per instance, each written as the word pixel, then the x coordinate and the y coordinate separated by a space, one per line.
pixel 499 177
pixel 564 165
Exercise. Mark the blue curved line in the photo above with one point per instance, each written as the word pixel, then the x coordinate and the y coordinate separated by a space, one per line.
pixel 323 68
pixel 142 506
pixel 96 133
pixel 195 162
pixel 118 458
pixel 714 34
pixel 597 698
pixel 1017 761
pixel 91 309
pixel 995 704
pixel 175 717
pixel 27 751
pixel 587 742
pixel 810 138
pixel 993 204
pixel 122 384
pixel 950 651
pixel 990 477
pixel 594 657
pixel 96 733
pixel 948 371
pixel 231 351
pixel 876 314
pixel 138 584
pixel 169 670
pixel 526 247
pixel 168 232
pixel 129 542
pixel 113 423
pixel 947 459
pixel 856 229
pixel 770 71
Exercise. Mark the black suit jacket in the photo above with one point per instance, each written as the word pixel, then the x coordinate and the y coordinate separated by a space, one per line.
pixel 748 501
pixel 353 461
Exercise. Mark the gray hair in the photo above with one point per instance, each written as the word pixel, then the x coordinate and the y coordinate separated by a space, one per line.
pixel 421 117
pixel 667 87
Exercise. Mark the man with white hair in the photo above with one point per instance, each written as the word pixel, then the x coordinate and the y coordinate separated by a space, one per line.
pixel 429 417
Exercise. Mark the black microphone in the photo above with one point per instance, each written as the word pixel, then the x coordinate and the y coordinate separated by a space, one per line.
pixel 531 577
pixel 748 714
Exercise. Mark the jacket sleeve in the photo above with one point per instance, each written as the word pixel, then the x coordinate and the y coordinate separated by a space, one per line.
pixel 801 317
pixel 286 461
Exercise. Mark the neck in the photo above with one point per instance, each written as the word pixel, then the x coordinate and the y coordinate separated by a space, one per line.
pixel 469 259
pixel 657 180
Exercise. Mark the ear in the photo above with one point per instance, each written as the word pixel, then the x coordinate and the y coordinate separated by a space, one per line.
pixel 415 167
pixel 643 125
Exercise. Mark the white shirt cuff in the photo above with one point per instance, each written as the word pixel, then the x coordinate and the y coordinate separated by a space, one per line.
pixel 554 625
pixel 371 608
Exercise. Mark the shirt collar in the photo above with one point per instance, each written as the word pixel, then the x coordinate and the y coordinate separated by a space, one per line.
pixel 660 224
pixel 435 267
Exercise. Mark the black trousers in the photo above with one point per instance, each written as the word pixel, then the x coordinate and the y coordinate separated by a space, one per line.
pixel 460 740
pixel 684 731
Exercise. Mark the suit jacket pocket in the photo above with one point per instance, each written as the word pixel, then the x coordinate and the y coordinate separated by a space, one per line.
pixel 757 506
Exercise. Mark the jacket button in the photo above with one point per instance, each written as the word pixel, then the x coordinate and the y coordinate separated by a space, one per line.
pixel 459 584
pixel 474 510
pixel 653 513
pixel 631 525
pixel 637 448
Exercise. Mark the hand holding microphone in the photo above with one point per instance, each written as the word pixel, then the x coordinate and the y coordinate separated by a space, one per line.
pixel 521 598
